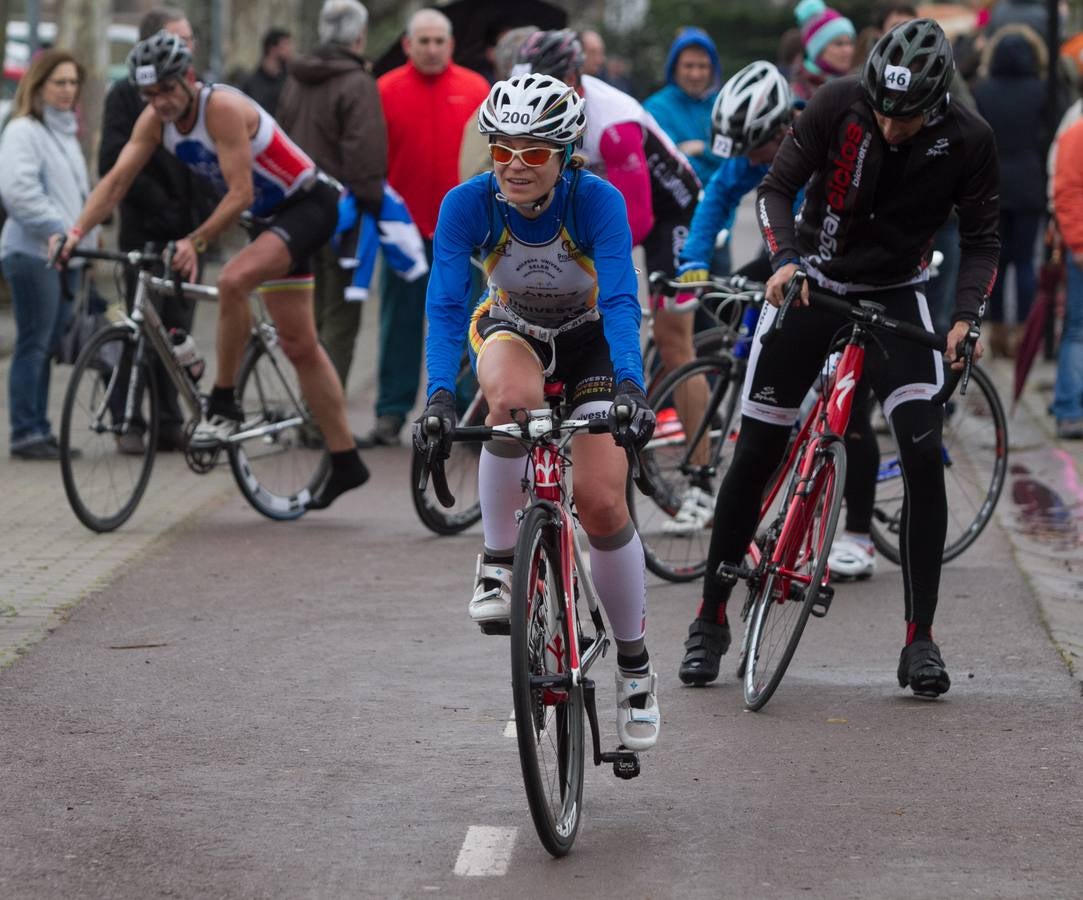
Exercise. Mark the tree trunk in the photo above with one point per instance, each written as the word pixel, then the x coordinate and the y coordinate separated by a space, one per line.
pixel 82 30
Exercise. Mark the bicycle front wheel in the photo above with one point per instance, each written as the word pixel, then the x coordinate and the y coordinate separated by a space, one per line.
pixel 676 534
pixel 461 468
pixel 787 594
pixel 279 467
pixel 548 716
pixel 975 466
pixel 109 395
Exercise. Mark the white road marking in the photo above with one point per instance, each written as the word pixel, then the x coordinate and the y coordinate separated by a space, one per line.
pixel 486 851
pixel 509 729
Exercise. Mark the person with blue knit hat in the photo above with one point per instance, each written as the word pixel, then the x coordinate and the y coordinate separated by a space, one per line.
pixel 829 46
pixel 683 106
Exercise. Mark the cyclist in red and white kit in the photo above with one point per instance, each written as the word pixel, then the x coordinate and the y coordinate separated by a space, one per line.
pixel 229 139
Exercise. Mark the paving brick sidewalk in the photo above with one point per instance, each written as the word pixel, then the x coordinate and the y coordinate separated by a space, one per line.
pixel 49 560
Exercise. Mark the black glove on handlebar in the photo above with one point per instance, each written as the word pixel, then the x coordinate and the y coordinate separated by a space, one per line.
pixel 639 423
pixel 441 406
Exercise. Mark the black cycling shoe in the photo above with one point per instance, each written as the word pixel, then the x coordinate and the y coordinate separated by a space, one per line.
pixel 921 668
pixel 703 651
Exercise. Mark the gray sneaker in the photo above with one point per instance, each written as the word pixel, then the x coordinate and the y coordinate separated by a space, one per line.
pixel 1070 429
pixel 384 434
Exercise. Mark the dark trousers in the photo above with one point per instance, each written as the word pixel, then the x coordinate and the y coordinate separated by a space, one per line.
pixel 1018 232
pixel 337 322
pixel 402 331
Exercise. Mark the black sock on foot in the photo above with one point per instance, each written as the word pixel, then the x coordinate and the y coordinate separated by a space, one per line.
pixel 703 482
pixel 713 611
pixel 223 402
pixel 914 632
pixel 348 471
pixel 635 665
pixel 491 559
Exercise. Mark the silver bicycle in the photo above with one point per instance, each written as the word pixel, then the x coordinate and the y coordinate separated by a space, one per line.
pixel 277 457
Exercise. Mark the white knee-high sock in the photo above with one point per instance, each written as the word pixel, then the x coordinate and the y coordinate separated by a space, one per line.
pixel 501 494
pixel 616 566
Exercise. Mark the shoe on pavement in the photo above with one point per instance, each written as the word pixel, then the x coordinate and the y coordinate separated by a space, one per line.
pixel 491 602
pixel 921 668
pixel 214 430
pixel 638 719
pixel 171 438
pixel 696 512
pixel 130 444
pixel 42 449
pixel 384 434
pixel 851 559
pixel 1070 429
pixel 703 651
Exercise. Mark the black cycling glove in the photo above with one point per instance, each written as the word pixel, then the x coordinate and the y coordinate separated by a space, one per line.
pixel 441 405
pixel 640 426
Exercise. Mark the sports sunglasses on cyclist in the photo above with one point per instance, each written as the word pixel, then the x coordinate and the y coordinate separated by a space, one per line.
pixel 528 156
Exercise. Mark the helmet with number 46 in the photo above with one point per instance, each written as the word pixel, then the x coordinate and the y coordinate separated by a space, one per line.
pixel 908 70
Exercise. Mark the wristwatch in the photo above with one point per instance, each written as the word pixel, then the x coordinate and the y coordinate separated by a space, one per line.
pixel 199 243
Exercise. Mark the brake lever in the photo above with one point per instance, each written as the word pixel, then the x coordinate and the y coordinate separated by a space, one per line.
pixel 970 343
pixel 623 437
pixel 434 466
pixel 793 291
pixel 54 257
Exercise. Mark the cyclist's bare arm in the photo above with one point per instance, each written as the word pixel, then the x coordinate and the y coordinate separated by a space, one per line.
pixel 107 193
pixel 230 122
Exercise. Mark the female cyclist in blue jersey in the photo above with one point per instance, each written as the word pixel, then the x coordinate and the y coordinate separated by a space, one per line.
pixel 561 303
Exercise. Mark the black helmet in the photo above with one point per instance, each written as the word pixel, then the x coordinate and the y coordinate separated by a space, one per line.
pixel 158 58
pixel 554 53
pixel 908 70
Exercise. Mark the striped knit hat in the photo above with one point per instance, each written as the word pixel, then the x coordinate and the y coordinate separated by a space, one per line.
pixel 820 25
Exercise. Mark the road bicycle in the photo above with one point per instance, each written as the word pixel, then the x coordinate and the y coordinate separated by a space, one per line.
pixel 786 564
pixel 975 448
pixel 277 456
pixel 554 640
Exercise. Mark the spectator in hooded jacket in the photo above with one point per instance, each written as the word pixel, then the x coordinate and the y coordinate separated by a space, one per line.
pixel 829 47
pixel 43 183
pixel 683 106
pixel 1068 201
pixel 265 83
pixel 330 106
pixel 1012 98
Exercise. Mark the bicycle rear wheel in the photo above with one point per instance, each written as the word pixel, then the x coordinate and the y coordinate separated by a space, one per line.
pixel 975 466
pixel 277 470
pixel 103 485
pixel 782 603
pixel 461 468
pixel 548 719
pixel 676 550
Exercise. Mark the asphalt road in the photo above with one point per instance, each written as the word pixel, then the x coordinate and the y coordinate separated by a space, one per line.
pixel 265 710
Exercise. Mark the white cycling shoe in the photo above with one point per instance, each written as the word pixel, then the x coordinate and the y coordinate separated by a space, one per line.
pixel 637 729
pixel 851 560
pixel 214 430
pixel 696 512
pixel 492 593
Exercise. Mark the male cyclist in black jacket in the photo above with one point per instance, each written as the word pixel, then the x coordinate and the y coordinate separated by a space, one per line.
pixel 885 158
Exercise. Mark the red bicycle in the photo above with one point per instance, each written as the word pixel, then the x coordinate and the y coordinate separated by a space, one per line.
pixel 553 646
pixel 787 572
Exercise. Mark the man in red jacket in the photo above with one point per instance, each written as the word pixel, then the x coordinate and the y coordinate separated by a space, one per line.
pixel 426 104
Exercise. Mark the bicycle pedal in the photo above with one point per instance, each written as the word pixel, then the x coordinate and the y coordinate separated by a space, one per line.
pixel 495 627
pixel 822 603
pixel 626 765
pixel 729 574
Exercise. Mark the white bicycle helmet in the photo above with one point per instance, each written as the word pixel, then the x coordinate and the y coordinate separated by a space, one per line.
pixel 750 109
pixel 533 105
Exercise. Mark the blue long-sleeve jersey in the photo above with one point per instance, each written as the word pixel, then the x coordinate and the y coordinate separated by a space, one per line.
pixel 576 256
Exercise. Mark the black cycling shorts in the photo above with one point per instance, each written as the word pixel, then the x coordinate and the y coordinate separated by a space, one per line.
pixel 583 361
pixel 305 222
pixel 663 245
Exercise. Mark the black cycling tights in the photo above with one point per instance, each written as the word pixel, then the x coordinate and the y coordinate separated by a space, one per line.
pixel 862 462
pixel 918 426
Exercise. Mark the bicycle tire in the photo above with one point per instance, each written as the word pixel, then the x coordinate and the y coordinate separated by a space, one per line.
pixel 548 723
pixel 709 342
pixel 461 468
pixel 104 486
pixel 276 473
pixel 778 623
pixel 975 468
pixel 682 557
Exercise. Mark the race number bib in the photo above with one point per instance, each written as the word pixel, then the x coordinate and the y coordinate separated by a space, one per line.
pixel 722 146
pixel 896 78
pixel 145 76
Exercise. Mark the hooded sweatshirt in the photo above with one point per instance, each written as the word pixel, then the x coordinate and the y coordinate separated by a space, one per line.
pixel 682 116
pixel 331 107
